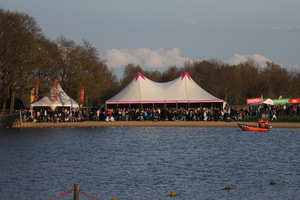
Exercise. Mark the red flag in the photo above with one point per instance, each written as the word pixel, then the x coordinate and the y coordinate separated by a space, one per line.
pixel 54 89
pixel 37 88
pixel 82 93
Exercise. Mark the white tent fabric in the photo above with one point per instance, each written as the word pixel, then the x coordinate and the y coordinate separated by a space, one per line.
pixel 63 100
pixel 181 90
pixel 265 101
pixel 268 101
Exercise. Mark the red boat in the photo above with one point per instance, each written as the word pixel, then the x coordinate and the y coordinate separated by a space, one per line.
pixel 252 128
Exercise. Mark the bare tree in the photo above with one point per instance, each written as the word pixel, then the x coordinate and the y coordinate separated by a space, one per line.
pixel 19 33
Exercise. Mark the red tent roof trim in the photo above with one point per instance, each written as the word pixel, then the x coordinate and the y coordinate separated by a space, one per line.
pixel 139 74
pixel 185 74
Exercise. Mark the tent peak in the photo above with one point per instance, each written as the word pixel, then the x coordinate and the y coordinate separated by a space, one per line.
pixel 139 74
pixel 185 74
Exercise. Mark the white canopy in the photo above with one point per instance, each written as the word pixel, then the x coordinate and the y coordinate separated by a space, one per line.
pixel 268 101
pixel 181 90
pixel 63 100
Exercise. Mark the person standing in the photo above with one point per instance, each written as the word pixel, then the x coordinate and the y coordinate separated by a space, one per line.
pixel 274 115
pixel 260 122
pixel 267 124
pixel 98 114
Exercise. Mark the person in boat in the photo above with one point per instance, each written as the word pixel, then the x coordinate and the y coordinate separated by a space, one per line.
pixel 260 122
pixel 267 124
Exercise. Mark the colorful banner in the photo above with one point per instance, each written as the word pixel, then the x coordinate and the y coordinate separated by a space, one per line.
pixel 37 88
pixel 255 100
pixel 292 101
pixel 32 95
pixel 82 93
pixel 54 89
pixel 281 101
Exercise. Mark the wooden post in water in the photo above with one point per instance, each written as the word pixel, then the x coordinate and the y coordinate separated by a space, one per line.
pixel 76 192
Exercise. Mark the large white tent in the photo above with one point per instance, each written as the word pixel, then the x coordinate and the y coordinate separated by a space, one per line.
pixel 63 100
pixel 142 90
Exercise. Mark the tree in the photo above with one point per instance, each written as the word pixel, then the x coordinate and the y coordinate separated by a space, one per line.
pixel 277 80
pixel 81 65
pixel 18 46
pixel 129 73
pixel 171 74
pixel 154 75
pixel 295 84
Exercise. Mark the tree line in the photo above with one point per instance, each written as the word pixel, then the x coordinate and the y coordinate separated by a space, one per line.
pixel 233 83
pixel 27 55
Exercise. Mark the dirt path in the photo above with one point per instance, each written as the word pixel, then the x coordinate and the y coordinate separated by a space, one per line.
pixel 153 124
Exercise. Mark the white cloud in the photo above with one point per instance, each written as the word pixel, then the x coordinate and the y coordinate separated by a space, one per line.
pixel 237 59
pixel 187 21
pixel 162 59
pixel 258 59
pixel 289 28
pixel 144 57
pixel 293 28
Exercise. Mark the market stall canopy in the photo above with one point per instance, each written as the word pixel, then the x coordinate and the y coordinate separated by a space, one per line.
pixel 57 99
pixel 268 101
pixel 142 90
pixel 257 101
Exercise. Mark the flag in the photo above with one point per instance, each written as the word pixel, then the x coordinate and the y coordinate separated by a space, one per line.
pixel 37 88
pixel 32 95
pixel 82 93
pixel 54 89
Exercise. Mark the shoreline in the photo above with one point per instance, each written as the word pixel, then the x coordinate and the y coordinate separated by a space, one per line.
pixel 154 124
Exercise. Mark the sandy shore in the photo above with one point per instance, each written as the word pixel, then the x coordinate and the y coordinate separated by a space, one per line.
pixel 155 124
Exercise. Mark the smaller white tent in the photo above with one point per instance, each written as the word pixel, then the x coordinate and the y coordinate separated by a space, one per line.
pixel 63 100
pixel 268 101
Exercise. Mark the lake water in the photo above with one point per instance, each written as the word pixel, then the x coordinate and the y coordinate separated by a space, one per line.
pixel 149 163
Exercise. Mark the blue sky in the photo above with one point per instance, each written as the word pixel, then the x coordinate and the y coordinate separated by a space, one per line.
pixel 157 34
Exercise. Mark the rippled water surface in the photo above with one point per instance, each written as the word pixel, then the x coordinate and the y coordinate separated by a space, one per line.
pixel 149 163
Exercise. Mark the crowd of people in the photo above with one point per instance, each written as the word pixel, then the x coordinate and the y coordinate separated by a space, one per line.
pixel 52 116
pixel 160 114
